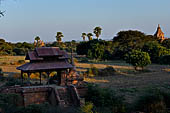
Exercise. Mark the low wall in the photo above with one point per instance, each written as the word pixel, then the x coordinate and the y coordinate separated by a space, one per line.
pixel 30 95
pixel 38 94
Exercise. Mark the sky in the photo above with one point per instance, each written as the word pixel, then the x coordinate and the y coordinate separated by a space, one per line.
pixel 26 19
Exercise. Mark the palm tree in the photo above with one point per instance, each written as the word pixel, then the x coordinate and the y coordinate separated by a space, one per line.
pixel 83 36
pixel 36 42
pixel 97 31
pixel 59 37
pixel 89 35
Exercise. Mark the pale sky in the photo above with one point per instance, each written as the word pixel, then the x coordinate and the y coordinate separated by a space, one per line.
pixel 25 19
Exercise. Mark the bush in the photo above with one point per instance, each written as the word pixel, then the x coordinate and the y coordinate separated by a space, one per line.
pixel 165 60
pixel 151 102
pixel 92 71
pixel 21 61
pixel 138 59
pixel 87 108
pixel 9 102
pixel 155 51
pixel 13 81
pixel 19 51
pixel 108 71
pixel 84 60
pixel 102 97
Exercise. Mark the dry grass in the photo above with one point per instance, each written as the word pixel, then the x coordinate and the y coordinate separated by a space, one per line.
pixel 9 59
pixel 127 81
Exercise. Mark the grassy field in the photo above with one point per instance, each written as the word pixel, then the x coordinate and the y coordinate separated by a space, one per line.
pixel 127 81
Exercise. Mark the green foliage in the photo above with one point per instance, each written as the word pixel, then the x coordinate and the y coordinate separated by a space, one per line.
pixel 9 102
pixel 21 61
pixel 138 58
pixel 87 108
pixel 19 51
pixel 96 49
pixel 97 31
pixel 101 97
pixel 84 60
pixel 84 36
pixel 108 71
pixel 165 60
pixel 153 101
pixel 125 41
pixel 34 108
pixel 92 71
pixel 89 35
pixel 59 37
pixel 166 43
pixel 13 81
pixel 155 51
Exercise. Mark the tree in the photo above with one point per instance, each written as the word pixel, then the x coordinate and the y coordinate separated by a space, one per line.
pixel 128 40
pixel 84 36
pixel 97 51
pixel 155 51
pixel 59 37
pixel 166 43
pixel 89 35
pixel 1 12
pixel 37 41
pixel 138 59
pixel 97 31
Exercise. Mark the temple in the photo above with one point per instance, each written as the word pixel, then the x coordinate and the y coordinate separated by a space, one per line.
pixel 159 34
pixel 67 90
pixel 50 59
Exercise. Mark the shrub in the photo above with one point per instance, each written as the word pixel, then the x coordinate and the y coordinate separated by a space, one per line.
pixel 19 51
pixel 151 102
pixel 108 71
pixel 102 97
pixel 138 59
pixel 165 60
pixel 84 60
pixel 13 81
pixel 92 71
pixel 155 51
pixel 9 102
pixel 21 61
pixel 87 108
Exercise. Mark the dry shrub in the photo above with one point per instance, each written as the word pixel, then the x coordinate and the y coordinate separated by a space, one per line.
pixel 108 71
pixel 17 75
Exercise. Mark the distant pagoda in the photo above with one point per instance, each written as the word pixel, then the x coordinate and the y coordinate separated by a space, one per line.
pixel 159 34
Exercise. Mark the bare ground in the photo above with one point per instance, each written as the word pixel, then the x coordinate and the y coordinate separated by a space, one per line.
pixel 127 81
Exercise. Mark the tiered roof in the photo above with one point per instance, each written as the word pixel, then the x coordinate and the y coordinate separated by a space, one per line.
pixel 46 58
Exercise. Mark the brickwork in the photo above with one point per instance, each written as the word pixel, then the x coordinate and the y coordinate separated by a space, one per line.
pixel 55 95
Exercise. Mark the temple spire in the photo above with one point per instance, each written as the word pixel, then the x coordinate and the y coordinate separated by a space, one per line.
pixel 159 34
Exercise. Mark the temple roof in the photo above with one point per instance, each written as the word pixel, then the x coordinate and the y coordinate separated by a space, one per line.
pixel 44 66
pixel 40 53
pixel 46 58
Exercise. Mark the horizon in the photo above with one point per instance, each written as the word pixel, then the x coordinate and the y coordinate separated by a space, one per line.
pixel 24 20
